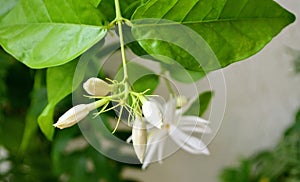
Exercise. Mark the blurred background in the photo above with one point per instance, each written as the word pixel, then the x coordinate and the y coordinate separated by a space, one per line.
pixel 262 98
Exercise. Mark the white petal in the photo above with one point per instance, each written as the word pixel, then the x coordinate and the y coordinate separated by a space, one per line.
pixel 169 111
pixel 188 143
pixel 149 155
pixel 155 140
pixel 194 124
pixel 193 119
pixel 160 151
pixel 152 113
pixel 195 128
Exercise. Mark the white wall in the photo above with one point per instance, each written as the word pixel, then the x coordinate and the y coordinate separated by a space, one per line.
pixel 263 93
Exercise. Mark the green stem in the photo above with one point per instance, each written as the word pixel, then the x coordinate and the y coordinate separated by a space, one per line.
pixel 119 20
pixel 32 115
pixel 97 104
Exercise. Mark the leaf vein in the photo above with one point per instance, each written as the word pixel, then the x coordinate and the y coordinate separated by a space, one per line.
pixel 169 10
pixel 186 15
pixel 77 17
pixel 47 11
pixel 243 7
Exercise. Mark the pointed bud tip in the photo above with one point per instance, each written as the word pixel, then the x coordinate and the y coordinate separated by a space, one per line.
pixel 57 125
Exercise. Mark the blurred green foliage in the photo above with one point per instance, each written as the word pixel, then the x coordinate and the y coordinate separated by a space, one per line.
pixel 30 156
pixel 296 54
pixel 281 164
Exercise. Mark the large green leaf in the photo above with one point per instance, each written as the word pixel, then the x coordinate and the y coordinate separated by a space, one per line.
pixel 44 33
pixel 6 6
pixel 234 29
pixel 177 72
pixel 59 85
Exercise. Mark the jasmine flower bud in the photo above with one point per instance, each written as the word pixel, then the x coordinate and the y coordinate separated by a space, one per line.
pixel 152 113
pixel 181 101
pixel 97 87
pixel 72 116
pixel 139 138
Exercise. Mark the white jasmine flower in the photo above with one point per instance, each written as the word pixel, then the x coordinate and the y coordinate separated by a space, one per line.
pixel 139 138
pixel 97 87
pixel 179 128
pixel 152 112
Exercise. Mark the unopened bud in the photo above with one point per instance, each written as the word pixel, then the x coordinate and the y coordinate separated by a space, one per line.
pixel 72 116
pixel 97 87
pixel 139 138
pixel 152 113
pixel 181 101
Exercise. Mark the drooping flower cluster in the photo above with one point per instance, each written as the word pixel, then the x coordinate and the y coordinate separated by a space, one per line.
pixel 152 121
pixel 105 93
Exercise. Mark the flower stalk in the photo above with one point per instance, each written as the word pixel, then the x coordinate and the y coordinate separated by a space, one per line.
pixel 119 20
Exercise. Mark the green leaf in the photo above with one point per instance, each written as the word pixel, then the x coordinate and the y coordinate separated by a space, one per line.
pixel 204 100
pixel 180 74
pixel 146 82
pixel 51 32
pixel 38 102
pixel 59 85
pixel 140 77
pixel 95 3
pixel 6 6
pixel 107 7
pixel 234 29
pixel 60 81
pixel 129 6
pixel 45 121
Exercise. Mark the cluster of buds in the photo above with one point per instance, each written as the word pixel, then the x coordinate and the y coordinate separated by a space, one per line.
pixel 93 86
pixel 151 121
pixel 106 93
